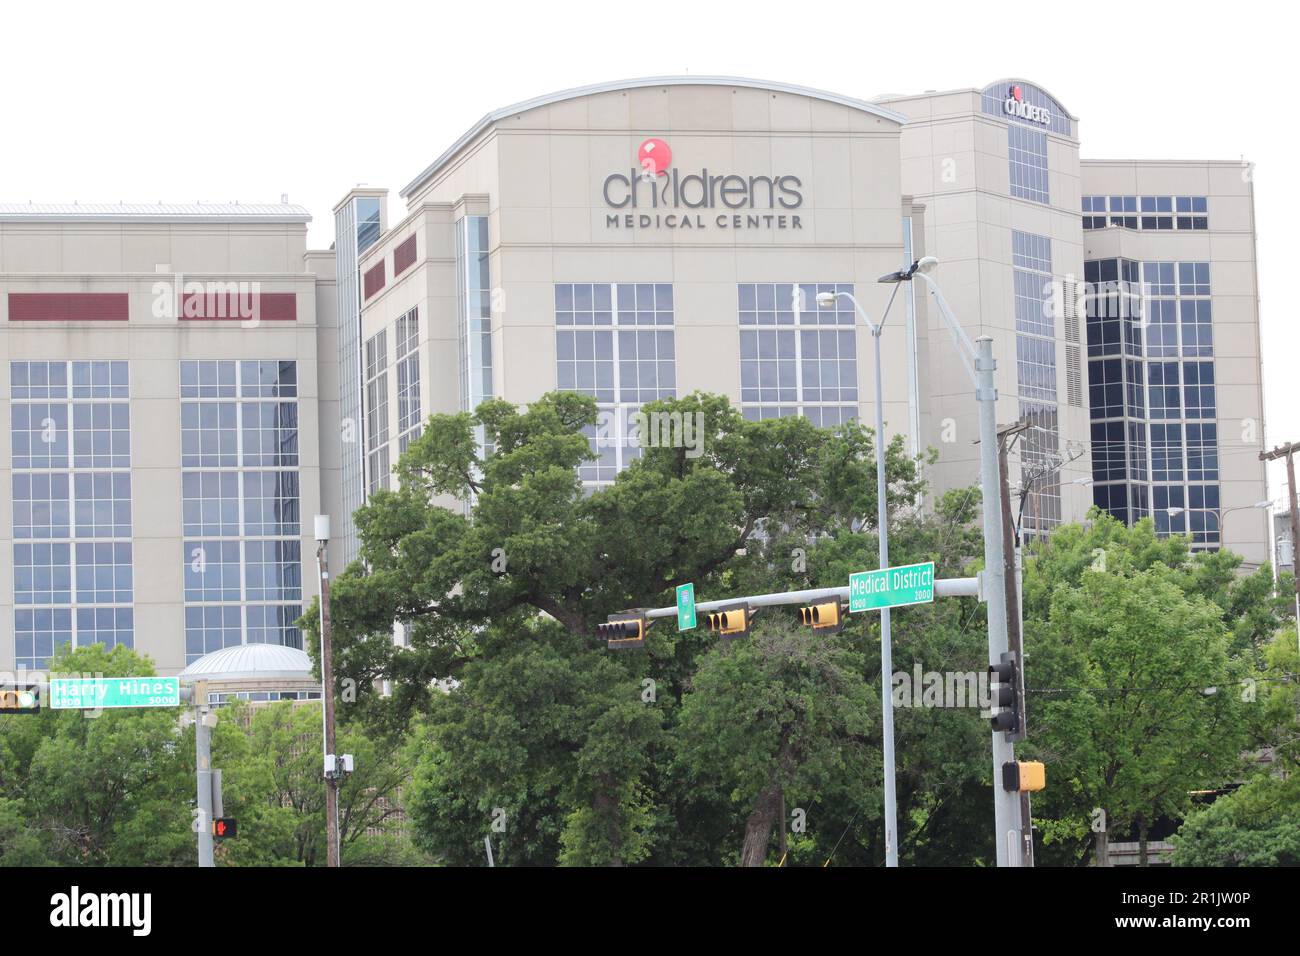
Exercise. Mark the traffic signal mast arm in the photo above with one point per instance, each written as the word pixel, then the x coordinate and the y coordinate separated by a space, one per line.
pixel 943 587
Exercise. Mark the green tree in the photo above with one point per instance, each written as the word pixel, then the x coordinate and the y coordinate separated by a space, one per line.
pixel 113 788
pixel 786 712
pixel 1258 824
pixel 540 722
pixel 1140 697
pixel 271 783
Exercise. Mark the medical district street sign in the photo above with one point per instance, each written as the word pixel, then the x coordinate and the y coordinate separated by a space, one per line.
pixel 891 587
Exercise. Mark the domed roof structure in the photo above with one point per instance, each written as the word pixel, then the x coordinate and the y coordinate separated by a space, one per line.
pixel 251 662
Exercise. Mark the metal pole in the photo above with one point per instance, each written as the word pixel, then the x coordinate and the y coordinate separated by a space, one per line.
pixel 203 761
pixel 1005 808
pixel 886 645
pixel 1289 450
pixel 1015 616
pixel 327 697
pixel 943 588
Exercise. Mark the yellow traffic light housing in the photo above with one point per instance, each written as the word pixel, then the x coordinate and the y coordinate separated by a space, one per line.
pixel 20 699
pixel 624 630
pixel 823 617
pixel 729 622
pixel 1024 776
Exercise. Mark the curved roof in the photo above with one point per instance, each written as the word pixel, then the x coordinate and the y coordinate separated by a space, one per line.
pixel 251 662
pixel 1044 90
pixel 641 83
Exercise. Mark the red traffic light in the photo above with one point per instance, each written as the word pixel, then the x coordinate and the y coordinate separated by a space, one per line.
pixel 223 828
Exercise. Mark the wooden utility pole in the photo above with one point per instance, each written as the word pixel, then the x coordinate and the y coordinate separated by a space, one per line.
pixel 1288 451
pixel 1015 643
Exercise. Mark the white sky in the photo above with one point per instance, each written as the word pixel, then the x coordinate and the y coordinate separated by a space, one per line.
pixel 235 100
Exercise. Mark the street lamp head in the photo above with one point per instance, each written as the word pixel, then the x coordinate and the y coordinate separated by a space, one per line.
pixel 825 300
pixel 926 264
pixel 322 528
pixel 1173 512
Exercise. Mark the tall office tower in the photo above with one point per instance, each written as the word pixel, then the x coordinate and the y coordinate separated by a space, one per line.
pixel 1173 349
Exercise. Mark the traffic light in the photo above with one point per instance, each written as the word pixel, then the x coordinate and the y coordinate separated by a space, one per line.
pixel 20 699
pixel 623 630
pixel 1024 776
pixel 729 622
pixel 1008 703
pixel 223 828
pixel 823 617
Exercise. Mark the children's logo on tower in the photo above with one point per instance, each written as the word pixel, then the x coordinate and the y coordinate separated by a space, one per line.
pixel 660 186
pixel 1015 105
pixel 655 157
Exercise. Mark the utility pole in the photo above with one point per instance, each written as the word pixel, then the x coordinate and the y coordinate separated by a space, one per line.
pixel 203 721
pixel 1288 451
pixel 1015 642
pixel 332 769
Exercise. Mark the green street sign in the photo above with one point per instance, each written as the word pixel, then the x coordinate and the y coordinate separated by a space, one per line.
pixel 685 607
pixel 94 693
pixel 891 587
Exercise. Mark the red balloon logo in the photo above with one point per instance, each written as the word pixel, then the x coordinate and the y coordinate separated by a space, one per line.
pixel 655 157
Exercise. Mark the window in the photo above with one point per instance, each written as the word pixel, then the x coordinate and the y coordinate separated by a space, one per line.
pixel 270 434
pixel 1167 498
pixel 474 315
pixel 70 437
pixel 270 503
pixel 103 572
pixel 797 358
pixel 377 411
pixel 1036 367
pixel 1202 451
pixel 210 503
pixel 209 434
pixel 40 506
pixel 1203 514
pixel 273 570
pixel 1162 390
pixel 1106 388
pixel 408 379
pixel 1027 154
pixel 102 504
pixel 1198 389
pixel 1157 212
pixel 210 628
pixel 615 342
pixel 1198 332
pixel 1166 452
pixel 240 504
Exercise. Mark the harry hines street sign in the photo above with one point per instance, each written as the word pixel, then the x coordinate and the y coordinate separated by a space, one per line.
pixel 93 693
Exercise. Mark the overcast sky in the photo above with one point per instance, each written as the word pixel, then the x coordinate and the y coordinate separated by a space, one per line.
pixel 233 100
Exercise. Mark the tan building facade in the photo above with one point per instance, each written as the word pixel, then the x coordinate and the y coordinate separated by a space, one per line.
pixel 161 379
pixel 631 241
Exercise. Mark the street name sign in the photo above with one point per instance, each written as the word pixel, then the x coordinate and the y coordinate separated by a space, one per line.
pixel 891 587
pixel 94 693
pixel 685 607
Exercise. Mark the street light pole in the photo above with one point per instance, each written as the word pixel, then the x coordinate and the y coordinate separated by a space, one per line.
pixel 331 769
pixel 980 366
pixel 886 642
